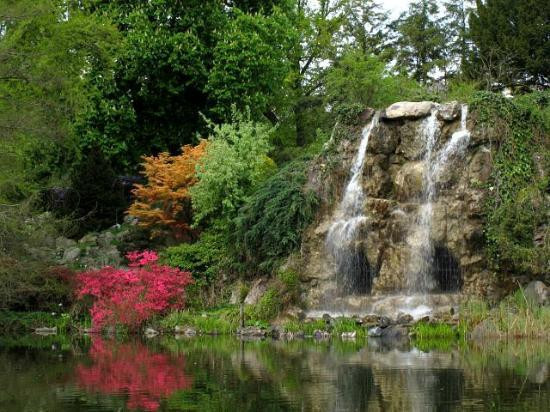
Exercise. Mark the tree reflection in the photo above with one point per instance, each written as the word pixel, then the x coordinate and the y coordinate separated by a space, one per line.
pixel 132 369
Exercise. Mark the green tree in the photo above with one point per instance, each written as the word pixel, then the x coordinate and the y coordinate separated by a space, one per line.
pixel 512 41
pixel 365 25
pixel 458 43
pixel 362 79
pixel 250 65
pixel 420 41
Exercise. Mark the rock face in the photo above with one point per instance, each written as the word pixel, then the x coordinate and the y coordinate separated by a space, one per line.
pixel 394 182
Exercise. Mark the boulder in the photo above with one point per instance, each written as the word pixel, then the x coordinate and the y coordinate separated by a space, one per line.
pixel 256 292
pixel 448 111
pixel 252 331
pixel 537 292
pixel 63 243
pixel 410 110
pixel 409 181
pixel 404 318
pixel 72 254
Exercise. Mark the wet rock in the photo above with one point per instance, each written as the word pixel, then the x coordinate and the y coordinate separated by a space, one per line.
pixel 375 332
pixel 537 292
pixel 384 322
pixel 408 181
pixel 46 331
pixel 411 110
pixel 448 111
pixel 327 318
pixel 252 331
pixel 371 320
pixel 185 330
pixel 404 319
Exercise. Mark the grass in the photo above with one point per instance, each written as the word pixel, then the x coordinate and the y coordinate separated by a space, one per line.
pixel 336 327
pixel 221 321
pixel 24 322
pixel 438 331
pixel 513 317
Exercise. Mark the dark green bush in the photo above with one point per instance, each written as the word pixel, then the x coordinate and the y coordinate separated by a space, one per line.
pixel 271 223
pixel 516 207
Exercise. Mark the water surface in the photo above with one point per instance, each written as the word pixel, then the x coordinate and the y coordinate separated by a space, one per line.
pixel 225 374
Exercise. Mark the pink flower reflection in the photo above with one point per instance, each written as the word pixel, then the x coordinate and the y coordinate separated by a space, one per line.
pixel 145 376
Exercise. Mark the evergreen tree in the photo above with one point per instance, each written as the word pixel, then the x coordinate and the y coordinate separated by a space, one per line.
pixel 513 41
pixel 365 25
pixel 458 43
pixel 420 41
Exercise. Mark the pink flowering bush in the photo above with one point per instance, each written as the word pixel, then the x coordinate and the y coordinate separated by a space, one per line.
pixel 131 296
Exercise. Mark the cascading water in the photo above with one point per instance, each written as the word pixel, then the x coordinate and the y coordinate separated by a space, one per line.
pixel 420 277
pixel 352 269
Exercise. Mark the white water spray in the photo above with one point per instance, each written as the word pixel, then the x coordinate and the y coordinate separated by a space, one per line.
pixel 349 217
pixel 419 277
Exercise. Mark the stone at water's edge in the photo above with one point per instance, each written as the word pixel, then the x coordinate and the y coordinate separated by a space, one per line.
pixel 449 111
pixel 411 110
pixel 537 292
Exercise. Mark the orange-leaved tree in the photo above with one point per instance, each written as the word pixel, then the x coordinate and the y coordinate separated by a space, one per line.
pixel 163 204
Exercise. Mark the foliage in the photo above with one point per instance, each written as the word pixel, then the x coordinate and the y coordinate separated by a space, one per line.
pixel 250 65
pixel 516 209
pixel 205 259
pixel 28 278
pixel 512 41
pixel 163 204
pixel 267 308
pixel 358 78
pixel 132 296
pixel 235 162
pixel 270 224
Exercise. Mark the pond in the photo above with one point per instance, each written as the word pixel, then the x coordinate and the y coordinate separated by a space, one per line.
pixel 59 373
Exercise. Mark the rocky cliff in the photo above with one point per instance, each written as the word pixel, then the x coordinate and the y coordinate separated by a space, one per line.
pixel 394 182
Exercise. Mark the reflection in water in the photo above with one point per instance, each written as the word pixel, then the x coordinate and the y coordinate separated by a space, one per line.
pixel 211 374
pixel 146 376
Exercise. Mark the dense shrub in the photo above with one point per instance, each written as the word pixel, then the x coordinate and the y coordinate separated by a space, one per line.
pixel 235 162
pixel 517 207
pixel 163 204
pixel 205 259
pixel 271 223
pixel 132 296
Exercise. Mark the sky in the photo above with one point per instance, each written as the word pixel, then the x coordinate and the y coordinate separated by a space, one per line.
pixel 395 6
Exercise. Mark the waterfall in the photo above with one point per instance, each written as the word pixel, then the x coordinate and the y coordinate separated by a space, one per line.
pixel 352 268
pixel 419 277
